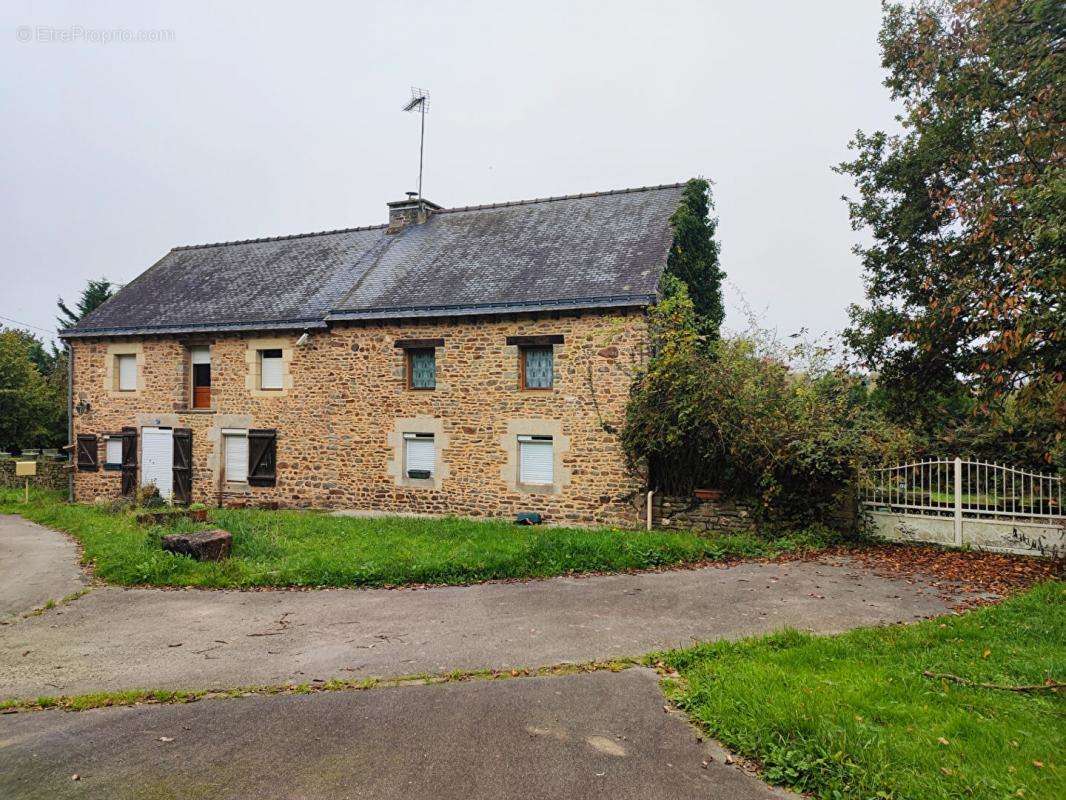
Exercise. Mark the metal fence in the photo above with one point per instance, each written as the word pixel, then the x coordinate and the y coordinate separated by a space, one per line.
pixel 960 488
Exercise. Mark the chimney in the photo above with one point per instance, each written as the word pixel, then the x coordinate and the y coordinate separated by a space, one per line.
pixel 412 211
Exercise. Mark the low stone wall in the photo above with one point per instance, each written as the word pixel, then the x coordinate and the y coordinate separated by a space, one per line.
pixel 688 513
pixel 51 474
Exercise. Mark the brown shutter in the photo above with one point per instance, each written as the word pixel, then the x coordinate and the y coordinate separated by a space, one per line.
pixel 262 457
pixel 129 461
pixel 88 454
pixel 182 466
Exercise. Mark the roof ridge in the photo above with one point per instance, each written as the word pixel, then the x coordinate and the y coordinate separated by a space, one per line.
pixel 279 238
pixel 505 204
pixel 577 196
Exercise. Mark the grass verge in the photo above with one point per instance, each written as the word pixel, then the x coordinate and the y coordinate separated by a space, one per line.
pixel 853 716
pixel 310 548
pixel 134 697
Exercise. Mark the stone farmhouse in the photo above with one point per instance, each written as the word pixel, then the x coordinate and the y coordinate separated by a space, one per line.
pixel 471 361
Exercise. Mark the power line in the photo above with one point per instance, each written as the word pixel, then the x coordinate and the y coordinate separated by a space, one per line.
pixel 27 325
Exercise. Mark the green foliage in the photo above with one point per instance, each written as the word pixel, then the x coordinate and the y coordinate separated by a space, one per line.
pixel 308 548
pixel 853 716
pixel 693 257
pixel 737 417
pixel 95 294
pixel 966 273
pixel 32 404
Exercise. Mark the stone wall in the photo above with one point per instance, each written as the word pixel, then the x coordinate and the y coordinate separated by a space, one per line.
pixel 51 474
pixel 688 513
pixel 346 404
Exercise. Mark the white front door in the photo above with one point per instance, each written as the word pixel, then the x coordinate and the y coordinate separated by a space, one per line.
pixel 157 459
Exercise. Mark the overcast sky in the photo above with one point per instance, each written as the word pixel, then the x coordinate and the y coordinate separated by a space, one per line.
pixel 258 119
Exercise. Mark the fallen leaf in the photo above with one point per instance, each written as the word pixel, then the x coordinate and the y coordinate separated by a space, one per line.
pixel 942 740
pixel 1038 764
pixel 75 777
pixel 166 739
pixel 986 653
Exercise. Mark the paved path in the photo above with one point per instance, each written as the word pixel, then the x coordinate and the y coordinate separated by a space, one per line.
pixel 36 565
pixel 586 736
pixel 149 638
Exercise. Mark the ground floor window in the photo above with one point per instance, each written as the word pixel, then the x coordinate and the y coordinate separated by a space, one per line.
pixel 536 460
pixel 114 452
pixel 235 455
pixel 420 455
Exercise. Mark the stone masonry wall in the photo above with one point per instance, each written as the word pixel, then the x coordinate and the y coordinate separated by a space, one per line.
pixel 51 474
pixel 688 513
pixel 346 404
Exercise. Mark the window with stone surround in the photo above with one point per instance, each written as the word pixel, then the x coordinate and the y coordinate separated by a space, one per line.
pixel 536 460
pixel 271 369
pixel 126 372
pixel 419 455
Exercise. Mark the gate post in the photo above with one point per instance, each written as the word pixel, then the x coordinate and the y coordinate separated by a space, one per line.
pixel 958 501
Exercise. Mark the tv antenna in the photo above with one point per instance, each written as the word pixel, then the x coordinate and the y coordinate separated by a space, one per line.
pixel 419 102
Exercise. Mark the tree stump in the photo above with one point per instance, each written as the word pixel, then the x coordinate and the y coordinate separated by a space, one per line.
pixel 202 545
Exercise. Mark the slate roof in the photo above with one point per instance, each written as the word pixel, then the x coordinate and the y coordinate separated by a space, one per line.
pixel 580 251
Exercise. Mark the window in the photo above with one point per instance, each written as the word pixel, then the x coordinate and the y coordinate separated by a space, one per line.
pixel 535 366
pixel 422 368
pixel 536 460
pixel 420 455
pixel 235 454
pixel 126 371
pixel 200 358
pixel 114 452
pixel 270 369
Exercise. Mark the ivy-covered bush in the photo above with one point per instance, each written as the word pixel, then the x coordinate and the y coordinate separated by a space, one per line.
pixel 782 426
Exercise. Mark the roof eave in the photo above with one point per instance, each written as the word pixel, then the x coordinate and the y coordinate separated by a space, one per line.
pixel 485 309
pixel 175 330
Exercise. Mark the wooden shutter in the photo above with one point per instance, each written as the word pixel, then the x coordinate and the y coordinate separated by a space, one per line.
pixel 262 457
pixel 88 455
pixel 182 486
pixel 129 461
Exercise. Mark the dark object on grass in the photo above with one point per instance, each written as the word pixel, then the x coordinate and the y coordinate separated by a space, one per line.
pixel 212 545
pixel 528 518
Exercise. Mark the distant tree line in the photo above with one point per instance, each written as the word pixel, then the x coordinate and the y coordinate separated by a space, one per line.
pixel 33 378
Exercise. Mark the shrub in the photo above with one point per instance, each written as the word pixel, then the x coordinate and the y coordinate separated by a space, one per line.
pixel 783 426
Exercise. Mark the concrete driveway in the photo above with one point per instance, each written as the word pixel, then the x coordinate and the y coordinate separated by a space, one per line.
pixel 584 736
pixel 36 565
pixel 115 638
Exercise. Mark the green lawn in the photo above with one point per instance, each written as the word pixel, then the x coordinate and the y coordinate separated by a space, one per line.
pixel 308 548
pixel 852 716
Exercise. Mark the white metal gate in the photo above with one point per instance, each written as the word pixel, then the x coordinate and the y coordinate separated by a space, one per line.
pixel 157 459
pixel 958 502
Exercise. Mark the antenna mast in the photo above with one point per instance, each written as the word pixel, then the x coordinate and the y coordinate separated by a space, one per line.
pixel 419 101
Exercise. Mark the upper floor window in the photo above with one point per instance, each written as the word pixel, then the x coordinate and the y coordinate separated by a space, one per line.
pixel 200 358
pixel 270 369
pixel 536 367
pixel 421 368
pixel 126 372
